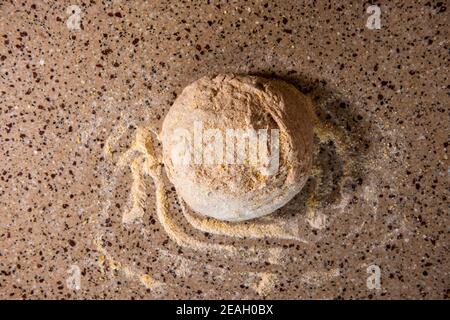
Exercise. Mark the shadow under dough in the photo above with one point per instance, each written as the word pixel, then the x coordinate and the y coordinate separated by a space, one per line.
pixel 333 110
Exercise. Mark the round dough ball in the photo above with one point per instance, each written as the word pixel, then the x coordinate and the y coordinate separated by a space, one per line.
pixel 213 171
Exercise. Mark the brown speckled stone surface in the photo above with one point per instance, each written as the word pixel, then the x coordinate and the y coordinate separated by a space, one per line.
pixel 66 94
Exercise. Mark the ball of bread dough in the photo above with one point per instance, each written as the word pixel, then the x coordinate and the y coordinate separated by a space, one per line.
pixel 221 150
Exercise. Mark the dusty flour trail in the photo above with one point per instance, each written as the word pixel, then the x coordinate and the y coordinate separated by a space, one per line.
pixel 147 163
pixel 142 161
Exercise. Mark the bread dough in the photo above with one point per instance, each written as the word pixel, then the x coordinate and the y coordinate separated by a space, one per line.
pixel 237 191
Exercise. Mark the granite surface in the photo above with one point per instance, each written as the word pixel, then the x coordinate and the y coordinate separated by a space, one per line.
pixel 78 77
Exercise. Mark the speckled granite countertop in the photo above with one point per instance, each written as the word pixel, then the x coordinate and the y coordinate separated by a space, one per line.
pixel 75 84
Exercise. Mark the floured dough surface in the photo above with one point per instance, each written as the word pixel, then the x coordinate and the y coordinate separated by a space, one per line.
pixel 238 191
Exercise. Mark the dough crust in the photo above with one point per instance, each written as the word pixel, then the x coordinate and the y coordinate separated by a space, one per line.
pixel 240 191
